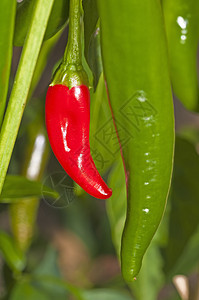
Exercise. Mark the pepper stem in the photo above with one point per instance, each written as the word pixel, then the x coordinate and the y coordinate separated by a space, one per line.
pixel 73 52
pixel 71 72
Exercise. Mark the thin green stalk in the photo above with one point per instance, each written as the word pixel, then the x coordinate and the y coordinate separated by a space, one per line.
pixel 73 53
pixel 7 25
pixel 22 83
pixel 71 72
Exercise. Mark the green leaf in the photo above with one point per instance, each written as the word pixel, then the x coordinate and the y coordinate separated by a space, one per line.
pixel 48 266
pixel 188 259
pixel 44 54
pixel 58 17
pixel 52 289
pixel 26 290
pixel 53 285
pixel 11 253
pixel 90 20
pixel 108 294
pixel 95 56
pixel 116 205
pixel 22 83
pixel 184 215
pixel 7 21
pixel 44 287
pixel 19 187
pixel 190 134
pixel 103 138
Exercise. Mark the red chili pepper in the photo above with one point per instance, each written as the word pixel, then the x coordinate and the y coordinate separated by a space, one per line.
pixel 68 121
pixel 68 113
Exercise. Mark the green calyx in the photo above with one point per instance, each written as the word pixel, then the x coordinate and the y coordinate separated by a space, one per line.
pixel 70 75
pixel 71 72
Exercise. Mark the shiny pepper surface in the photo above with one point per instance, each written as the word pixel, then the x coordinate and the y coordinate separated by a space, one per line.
pixel 68 113
pixel 68 121
pixel 135 61
pixel 182 28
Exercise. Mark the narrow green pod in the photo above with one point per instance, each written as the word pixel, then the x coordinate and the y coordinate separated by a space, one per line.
pixel 182 28
pixel 7 21
pixel 57 19
pixel 135 61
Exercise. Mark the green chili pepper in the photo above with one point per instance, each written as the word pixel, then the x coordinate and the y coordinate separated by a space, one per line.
pixel 135 61
pixel 58 17
pixel 23 213
pixel 182 28
pixel 7 19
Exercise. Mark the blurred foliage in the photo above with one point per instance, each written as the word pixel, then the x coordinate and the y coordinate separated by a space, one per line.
pixel 75 246
pixel 16 187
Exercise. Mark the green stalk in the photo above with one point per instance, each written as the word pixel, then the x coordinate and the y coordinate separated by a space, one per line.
pixel 7 25
pixel 73 52
pixel 71 72
pixel 22 83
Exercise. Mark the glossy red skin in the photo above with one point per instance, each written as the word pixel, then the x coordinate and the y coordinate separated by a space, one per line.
pixel 68 122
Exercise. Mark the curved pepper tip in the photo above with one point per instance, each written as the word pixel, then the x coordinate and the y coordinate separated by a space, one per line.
pixel 109 194
pixel 105 194
pixel 68 121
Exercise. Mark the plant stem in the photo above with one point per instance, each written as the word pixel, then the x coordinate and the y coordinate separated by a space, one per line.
pixel 22 83
pixel 73 52
pixel 7 25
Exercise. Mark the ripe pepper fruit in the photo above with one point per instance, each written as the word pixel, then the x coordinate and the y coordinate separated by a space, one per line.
pixel 136 69
pixel 68 114
pixel 182 28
